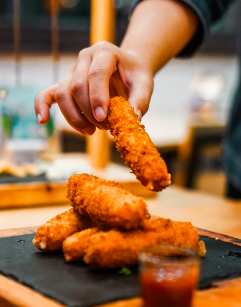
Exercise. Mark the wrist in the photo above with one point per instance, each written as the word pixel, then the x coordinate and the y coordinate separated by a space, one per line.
pixel 140 59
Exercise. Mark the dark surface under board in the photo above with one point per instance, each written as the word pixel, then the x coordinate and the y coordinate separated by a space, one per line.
pixel 74 285
pixel 8 178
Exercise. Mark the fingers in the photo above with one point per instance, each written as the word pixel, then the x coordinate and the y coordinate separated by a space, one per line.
pixel 80 87
pixel 71 111
pixel 140 95
pixel 83 95
pixel 43 102
pixel 102 67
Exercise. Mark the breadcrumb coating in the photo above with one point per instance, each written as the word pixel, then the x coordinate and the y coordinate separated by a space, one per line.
pixel 135 145
pixel 106 202
pixel 51 235
pixel 74 246
pixel 114 248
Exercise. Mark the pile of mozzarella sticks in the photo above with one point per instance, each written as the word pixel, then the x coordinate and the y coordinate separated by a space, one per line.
pixel 108 226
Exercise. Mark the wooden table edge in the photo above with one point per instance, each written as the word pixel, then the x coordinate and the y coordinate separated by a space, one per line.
pixel 218 236
pixel 22 295
pixel 29 295
pixel 202 232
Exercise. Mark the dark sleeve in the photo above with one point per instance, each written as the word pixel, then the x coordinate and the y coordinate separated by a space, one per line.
pixel 208 11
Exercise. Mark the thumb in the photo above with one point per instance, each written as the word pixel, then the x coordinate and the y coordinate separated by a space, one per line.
pixel 140 95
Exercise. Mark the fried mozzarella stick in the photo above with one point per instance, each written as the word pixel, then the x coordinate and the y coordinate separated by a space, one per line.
pixel 135 145
pixel 106 202
pixel 75 245
pixel 51 235
pixel 114 249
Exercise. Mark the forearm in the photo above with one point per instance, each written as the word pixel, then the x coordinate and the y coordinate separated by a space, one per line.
pixel 159 30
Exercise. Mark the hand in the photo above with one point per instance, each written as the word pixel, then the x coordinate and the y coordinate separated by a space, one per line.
pixel 100 72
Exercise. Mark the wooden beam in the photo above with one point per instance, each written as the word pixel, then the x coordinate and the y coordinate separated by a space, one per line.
pixel 102 21
pixel 16 39
pixel 102 29
pixel 55 38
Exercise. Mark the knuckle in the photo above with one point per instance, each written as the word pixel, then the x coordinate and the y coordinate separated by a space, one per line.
pixel 96 72
pixel 104 45
pixel 60 95
pixel 96 99
pixel 76 123
pixel 77 87
pixel 82 52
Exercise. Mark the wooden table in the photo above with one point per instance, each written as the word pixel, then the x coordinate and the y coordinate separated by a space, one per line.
pixel 166 132
pixel 47 193
pixel 204 211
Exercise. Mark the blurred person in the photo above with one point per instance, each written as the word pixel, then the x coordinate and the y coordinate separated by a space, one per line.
pixel 158 31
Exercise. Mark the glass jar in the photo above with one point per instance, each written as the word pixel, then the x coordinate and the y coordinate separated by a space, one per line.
pixel 168 275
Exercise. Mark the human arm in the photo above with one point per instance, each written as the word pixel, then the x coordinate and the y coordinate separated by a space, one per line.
pixel 159 30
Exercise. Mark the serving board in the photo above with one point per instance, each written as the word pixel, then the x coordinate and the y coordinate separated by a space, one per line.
pixel 19 295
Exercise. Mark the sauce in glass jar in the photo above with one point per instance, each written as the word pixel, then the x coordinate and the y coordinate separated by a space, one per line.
pixel 169 290
pixel 168 275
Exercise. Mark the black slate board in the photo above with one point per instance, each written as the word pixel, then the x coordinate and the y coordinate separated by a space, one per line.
pixel 74 285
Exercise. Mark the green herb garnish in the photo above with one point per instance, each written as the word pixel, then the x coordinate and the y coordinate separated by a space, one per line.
pixel 125 271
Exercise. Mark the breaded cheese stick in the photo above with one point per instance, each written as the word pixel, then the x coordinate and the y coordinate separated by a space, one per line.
pixel 74 246
pixel 135 145
pixel 51 235
pixel 106 202
pixel 114 249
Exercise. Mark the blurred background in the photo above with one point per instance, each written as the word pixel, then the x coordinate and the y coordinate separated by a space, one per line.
pixel 188 111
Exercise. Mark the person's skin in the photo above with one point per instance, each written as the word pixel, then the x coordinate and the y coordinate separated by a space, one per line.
pixel 158 30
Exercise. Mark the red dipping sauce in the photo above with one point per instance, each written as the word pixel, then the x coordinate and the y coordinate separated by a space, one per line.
pixel 176 292
pixel 168 275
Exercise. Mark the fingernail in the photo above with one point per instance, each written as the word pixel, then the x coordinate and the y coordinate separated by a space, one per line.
pixel 139 114
pixel 39 117
pixel 99 114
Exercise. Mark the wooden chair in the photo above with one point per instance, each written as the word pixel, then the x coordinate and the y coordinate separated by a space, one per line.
pixel 205 138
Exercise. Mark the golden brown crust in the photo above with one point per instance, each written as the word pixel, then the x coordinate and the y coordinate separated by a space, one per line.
pixel 202 249
pixel 113 249
pixel 51 235
pixel 106 202
pixel 135 145
pixel 74 246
